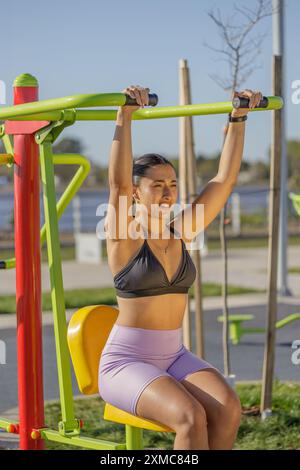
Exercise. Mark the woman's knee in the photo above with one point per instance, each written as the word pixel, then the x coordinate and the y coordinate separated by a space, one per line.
pixel 191 416
pixel 228 414
pixel 234 407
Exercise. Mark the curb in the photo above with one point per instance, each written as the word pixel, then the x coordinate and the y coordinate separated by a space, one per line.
pixel 8 320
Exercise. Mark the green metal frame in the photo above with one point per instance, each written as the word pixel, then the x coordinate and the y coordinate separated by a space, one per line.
pixel 237 330
pixel 8 145
pixel 69 427
pixel 58 159
pixel 61 112
pixel 51 110
pixel 295 198
pixel 71 190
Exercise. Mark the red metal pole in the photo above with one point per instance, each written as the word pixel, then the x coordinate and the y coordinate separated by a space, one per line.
pixel 28 274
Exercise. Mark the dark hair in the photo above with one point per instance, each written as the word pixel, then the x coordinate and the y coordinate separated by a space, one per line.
pixel 146 161
pixel 142 164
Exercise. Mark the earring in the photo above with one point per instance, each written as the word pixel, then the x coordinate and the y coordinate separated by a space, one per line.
pixel 133 207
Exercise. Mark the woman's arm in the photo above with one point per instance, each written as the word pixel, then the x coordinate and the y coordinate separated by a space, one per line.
pixel 120 160
pixel 232 154
pixel 204 209
pixel 120 167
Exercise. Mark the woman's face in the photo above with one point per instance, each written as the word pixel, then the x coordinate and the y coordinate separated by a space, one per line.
pixel 158 187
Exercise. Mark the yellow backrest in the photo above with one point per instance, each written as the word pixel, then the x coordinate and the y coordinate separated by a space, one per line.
pixel 88 331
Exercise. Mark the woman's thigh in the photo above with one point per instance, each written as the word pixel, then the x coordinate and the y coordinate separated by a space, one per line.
pixel 205 382
pixel 147 391
pixel 134 376
pixel 211 389
pixel 121 382
pixel 167 401
pixel 187 363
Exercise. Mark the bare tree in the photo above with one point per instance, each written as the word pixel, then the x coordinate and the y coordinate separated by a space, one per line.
pixel 240 50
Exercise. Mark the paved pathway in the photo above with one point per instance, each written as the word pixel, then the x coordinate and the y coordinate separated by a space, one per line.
pixel 247 268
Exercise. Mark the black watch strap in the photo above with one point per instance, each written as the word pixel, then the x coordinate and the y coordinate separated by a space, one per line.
pixel 237 119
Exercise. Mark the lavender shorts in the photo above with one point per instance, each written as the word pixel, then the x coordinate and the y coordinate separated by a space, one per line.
pixel 133 357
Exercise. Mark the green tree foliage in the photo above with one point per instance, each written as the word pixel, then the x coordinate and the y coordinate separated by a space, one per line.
pixel 293 154
pixel 259 171
pixel 207 166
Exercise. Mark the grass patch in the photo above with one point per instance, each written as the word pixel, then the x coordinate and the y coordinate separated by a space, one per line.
pixel 295 270
pixel 67 254
pixel 281 431
pixel 77 298
pixel 248 242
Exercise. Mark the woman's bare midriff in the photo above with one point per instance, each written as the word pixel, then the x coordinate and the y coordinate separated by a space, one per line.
pixel 159 312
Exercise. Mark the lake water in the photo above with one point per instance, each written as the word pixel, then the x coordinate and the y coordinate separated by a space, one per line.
pixel 252 199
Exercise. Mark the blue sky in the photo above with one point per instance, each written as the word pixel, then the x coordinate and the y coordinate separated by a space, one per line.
pixel 95 46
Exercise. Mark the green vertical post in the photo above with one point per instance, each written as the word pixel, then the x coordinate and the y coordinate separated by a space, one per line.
pixel 134 438
pixel 69 424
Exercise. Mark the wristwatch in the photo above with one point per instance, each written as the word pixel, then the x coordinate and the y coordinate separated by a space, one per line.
pixel 237 119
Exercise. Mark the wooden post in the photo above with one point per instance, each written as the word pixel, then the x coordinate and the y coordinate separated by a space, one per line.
pixel 269 355
pixel 183 187
pixel 191 190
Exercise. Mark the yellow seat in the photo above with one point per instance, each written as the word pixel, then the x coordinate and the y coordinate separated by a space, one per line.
pixel 88 331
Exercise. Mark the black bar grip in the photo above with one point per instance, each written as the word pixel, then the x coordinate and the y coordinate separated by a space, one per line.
pixel 153 100
pixel 241 102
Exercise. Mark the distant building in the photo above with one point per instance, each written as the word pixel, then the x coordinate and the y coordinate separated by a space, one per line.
pixel 244 177
pixel 57 181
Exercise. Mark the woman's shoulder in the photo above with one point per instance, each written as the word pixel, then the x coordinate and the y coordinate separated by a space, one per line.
pixel 119 252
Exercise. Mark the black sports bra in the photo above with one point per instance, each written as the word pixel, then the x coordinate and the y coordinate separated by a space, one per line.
pixel 144 275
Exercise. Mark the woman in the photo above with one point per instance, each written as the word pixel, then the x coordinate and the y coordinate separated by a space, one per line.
pixel 144 368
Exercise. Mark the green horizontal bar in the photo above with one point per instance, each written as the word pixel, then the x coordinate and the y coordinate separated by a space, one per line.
pixel 80 441
pixel 25 111
pixel 6 159
pixel 47 116
pixel 288 319
pixel 5 422
pixel 8 263
pixel 67 102
pixel 252 330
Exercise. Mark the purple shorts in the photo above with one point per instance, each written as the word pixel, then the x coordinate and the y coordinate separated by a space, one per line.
pixel 133 357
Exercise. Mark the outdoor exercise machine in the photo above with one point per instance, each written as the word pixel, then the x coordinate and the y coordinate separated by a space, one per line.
pixel 34 126
pixel 237 329
pixel 295 198
pixel 236 321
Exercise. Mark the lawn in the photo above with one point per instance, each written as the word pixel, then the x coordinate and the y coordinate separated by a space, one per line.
pixel 68 252
pixel 251 242
pixel 280 431
pixel 295 270
pixel 77 298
